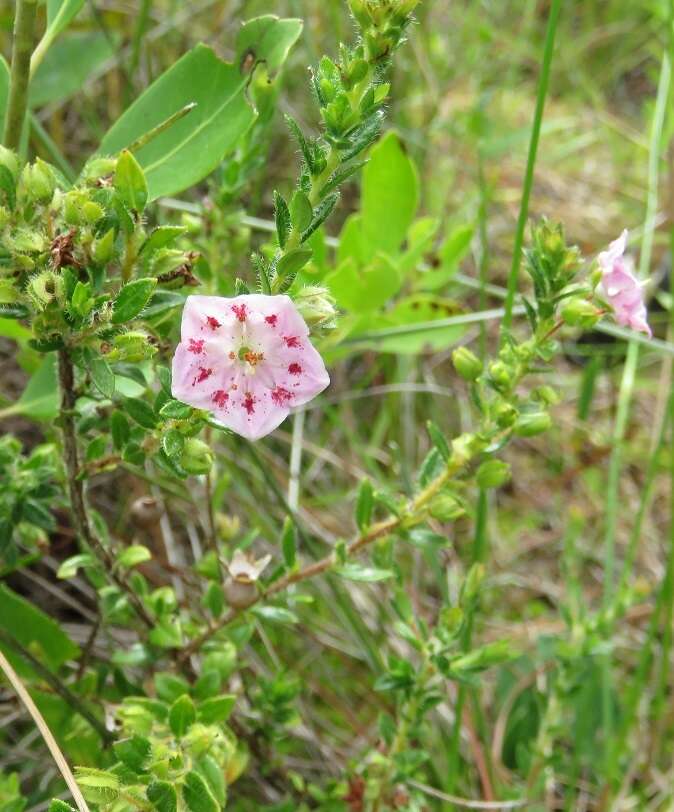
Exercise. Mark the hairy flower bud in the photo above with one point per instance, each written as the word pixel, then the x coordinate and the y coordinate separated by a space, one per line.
pixel 467 364
pixel 316 306
pixel 98 168
pixel 197 456
pixel 45 288
pixel 492 474
pixel 132 346
pixel 10 161
pixel 38 182
pixel 446 508
pixel 103 248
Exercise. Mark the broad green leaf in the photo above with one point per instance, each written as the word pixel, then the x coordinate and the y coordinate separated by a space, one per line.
pixel 131 299
pixel 397 331
pixel 197 795
pixel 190 148
pixel 170 687
pixel 133 752
pixel 277 614
pixel 67 65
pixel 57 805
pixel 133 555
pixel 31 627
pixel 267 39
pixel 130 182
pixel 166 634
pixel 293 261
pixel 140 412
pixel 9 328
pixel 163 796
pixel 357 572
pixel 102 376
pixel 182 715
pixel 159 238
pixel 213 775
pixel 365 289
pixel 390 196
pixel 173 443
pixel 215 709
pixel 98 786
pixel 39 400
pixel 452 251
pixel 69 567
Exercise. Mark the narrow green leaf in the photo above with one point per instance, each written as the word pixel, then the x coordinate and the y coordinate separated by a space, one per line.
pixel 282 218
pixel 357 572
pixel 293 261
pixel 289 543
pixel 364 505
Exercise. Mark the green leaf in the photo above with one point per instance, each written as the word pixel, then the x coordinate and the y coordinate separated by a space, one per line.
pixel 170 687
pixel 160 238
pixel 131 299
pixel 162 796
pixel 277 614
pixel 364 505
pixel 366 289
pixel 301 211
pixel 4 91
pixel 281 216
pixel 267 39
pixel 60 14
pixel 69 567
pixel 452 251
pixel 57 805
pixel 191 147
pixel 130 182
pixel 119 428
pixel 133 752
pixel 357 572
pixel 216 709
pixel 67 66
pixel 102 376
pixel 293 261
pixel 197 795
pixel 141 412
pixel 98 786
pixel 173 443
pixel 213 774
pixel 390 196
pixel 133 555
pixel 39 400
pixel 182 715
pixel 161 302
pixel 175 410
pixel 438 439
pixel 289 543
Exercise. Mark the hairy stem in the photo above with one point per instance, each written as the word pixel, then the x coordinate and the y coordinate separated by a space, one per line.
pixel 17 103
pixel 76 488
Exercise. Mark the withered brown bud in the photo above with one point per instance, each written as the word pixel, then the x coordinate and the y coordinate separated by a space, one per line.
pixel 146 511
pixel 240 594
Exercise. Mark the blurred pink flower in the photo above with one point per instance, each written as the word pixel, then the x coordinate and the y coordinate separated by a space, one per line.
pixel 622 289
pixel 247 360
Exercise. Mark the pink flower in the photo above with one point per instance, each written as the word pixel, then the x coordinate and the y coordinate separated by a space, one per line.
pixel 622 289
pixel 247 360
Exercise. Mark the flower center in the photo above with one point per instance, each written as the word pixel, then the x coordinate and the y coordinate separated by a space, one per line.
pixel 249 357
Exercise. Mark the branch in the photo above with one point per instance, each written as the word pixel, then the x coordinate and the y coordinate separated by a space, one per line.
pixel 76 488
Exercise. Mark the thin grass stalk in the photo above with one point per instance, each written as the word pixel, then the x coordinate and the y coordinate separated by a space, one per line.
pixel 622 414
pixel 543 84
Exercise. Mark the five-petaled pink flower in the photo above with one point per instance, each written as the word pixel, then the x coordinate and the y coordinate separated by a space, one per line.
pixel 247 360
pixel 622 289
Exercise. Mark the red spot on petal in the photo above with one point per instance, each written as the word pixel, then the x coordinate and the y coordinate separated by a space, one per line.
pixel 295 369
pixel 248 403
pixel 212 322
pixel 202 375
pixel 271 320
pixel 240 311
pixel 220 398
pixel 281 396
pixel 292 341
pixel 196 346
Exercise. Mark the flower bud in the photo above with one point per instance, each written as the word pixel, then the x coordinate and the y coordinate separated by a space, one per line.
pixel 25 241
pixel 132 346
pixel 239 594
pixel 92 212
pixel 38 182
pixel 316 306
pixel 467 364
pixel 492 474
pixel 545 395
pixel 499 375
pixel 197 456
pixel 103 248
pixel 532 423
pixel 473 582
pixel 45 288
pixel 10 161
pixel 98 168
pixel 579 312
pixel 505 414
pixel 446 508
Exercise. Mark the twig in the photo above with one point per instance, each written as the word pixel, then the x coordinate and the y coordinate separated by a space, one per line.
pixel 17 103
pixel 76 489
pixel 465 803
pixel 54 749
pixel 58 687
